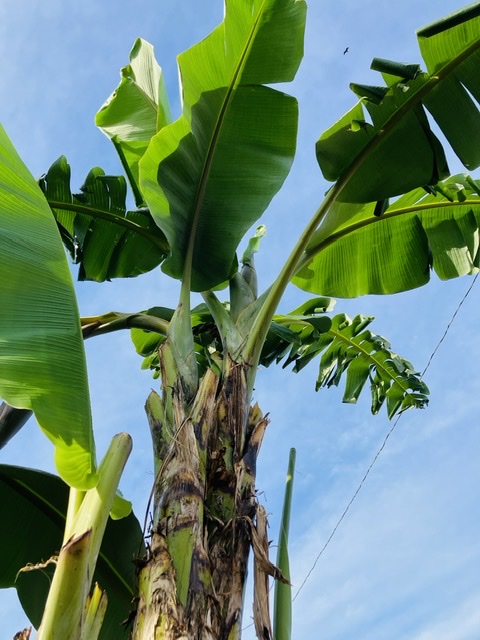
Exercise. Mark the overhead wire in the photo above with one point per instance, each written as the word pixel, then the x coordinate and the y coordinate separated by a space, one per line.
pixel 384 443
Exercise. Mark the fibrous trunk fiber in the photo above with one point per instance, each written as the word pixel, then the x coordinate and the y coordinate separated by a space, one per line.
pixel 191 584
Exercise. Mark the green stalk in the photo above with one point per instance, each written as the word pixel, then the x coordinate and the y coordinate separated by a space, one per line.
pixel 282 608
pixel 116 321
pixel 261 324
pixel 99 501
pixel 109 217
pixel 66 607
pixel 262 321
pixel 75 499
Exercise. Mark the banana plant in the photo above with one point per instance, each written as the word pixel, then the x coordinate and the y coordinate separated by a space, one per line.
pixel 200 183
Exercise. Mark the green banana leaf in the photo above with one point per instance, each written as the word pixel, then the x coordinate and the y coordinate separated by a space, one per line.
pixel 42 361
pixel 136 111
pixel 397 250
pixel 33 507
pixel 346 349
pixel 210 175
pixel 392 149
pixel 105 239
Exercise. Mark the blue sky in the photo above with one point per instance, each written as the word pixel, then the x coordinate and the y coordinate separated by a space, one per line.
pixel 404 564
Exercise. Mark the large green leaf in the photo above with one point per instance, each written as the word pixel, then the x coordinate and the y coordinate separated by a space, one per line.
pixel 393 149
pixel 136 110
pixel 355 252
pixel 33 507
pixel 42 361
pixel 346 348
pixel 210 175
pixel 105 239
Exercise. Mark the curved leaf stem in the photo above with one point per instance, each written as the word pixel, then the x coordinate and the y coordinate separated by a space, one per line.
pixel 261 324
pixel 110 217
pixel 310 253
pixel 257 335
pixel 115 321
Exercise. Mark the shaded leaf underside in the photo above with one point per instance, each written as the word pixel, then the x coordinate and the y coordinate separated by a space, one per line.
pixel 384 147
pixel 105 239
pixel 210 175
pixel 392 149
pixel 35 501
pixel 364 254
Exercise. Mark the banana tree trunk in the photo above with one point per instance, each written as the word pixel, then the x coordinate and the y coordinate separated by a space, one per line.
pixel 191 586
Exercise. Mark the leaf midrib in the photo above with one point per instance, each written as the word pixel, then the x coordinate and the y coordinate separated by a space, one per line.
pixel 403 111
pixel 310 254
pixel 109 216
pixel 370 356
pixel 212 146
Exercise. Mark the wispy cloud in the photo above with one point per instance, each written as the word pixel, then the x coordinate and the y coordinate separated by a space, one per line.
pixel 404 563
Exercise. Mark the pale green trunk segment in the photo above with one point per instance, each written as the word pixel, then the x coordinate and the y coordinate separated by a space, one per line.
pixel 192 584
pixel 180 435
pixel 158 612
pixel 65 609
pixel 69 613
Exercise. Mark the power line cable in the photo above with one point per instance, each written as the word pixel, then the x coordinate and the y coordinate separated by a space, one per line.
pixel 382 447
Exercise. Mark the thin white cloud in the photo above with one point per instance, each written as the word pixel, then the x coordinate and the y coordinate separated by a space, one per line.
pixel 404 563
pixel 461 622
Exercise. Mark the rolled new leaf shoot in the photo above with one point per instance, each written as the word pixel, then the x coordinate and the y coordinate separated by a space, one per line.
pixel 243 284
pixel 95 613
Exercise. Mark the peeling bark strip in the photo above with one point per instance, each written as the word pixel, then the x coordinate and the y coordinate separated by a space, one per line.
pixel 261 611
pixel 191 586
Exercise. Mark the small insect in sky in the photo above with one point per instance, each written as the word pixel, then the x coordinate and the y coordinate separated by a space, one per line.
pixel 346 51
